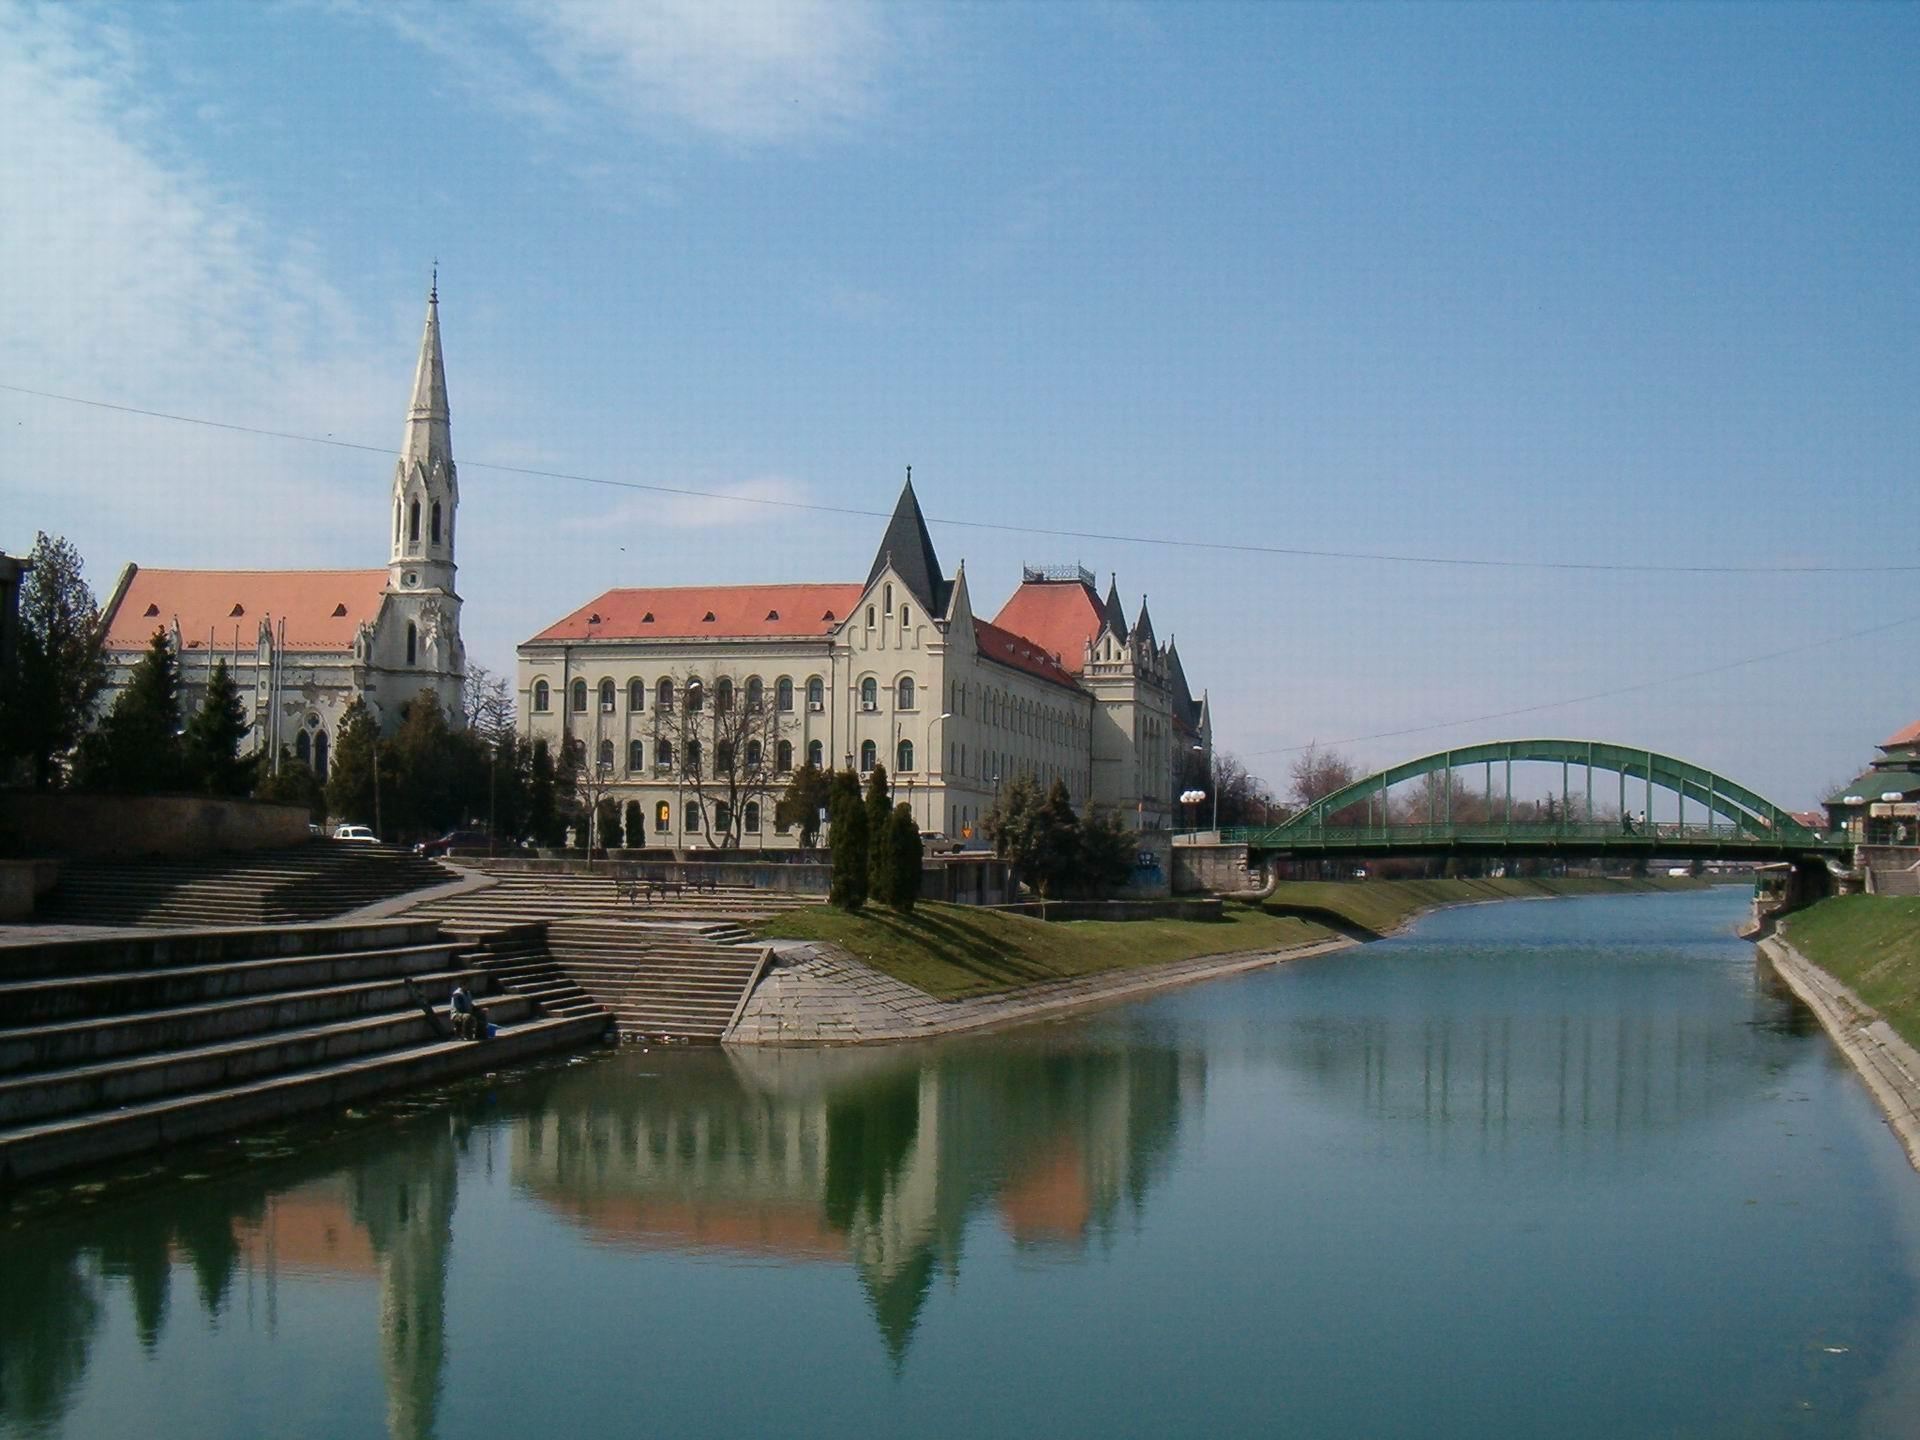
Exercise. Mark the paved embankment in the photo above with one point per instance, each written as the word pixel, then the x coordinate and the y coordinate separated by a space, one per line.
pixel 818 994
pixel 1889 1065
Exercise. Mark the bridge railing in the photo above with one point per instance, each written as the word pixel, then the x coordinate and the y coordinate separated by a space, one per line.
pixel 1601 834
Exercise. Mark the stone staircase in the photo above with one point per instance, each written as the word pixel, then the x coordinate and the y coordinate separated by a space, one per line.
pixel 264 887
pixel 517 960
pixel 682 982
pixel 516 896
pixel 114 1045
pixel 1886 881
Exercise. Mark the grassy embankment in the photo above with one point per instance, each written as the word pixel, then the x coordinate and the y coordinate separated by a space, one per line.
pixel 1870 943
pixel 1382 906
pixel 956 951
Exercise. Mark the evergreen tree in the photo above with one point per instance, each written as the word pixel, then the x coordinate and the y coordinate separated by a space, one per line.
pixel 542 816
pixel 213 760
pixel 59 670
pixel 1054 864
pixel 608 835
pixel 137 748
pixel 807 794
pixel 848 817
pixel 420 765
pixel 903 840
pixel 350 776
pixel 636 827
pixel 879 806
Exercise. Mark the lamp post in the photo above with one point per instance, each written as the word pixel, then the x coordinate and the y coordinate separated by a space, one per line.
pixel 1191 798
pixel 1213 784
pixel 943 715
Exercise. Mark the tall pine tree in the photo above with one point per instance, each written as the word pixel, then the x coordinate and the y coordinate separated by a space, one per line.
pixel 213 760
pixel 59 670
pixel 350 776
pixel 137 748
pixel 847 818
pixel 879 807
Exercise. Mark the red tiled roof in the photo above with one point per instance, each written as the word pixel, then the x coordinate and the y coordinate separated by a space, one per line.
pixel 323 608
pixel 1060 617
pixel 1908 736
pixel 699 611
pixel 1018 651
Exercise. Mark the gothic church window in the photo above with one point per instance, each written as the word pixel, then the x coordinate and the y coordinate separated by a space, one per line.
pixel 436 522
pixel 413 523
pixel 320 756
pixel 413 642
pixel 303 748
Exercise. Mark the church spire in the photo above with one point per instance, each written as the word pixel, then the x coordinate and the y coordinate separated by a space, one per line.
pixel 428 429
pixel 426 487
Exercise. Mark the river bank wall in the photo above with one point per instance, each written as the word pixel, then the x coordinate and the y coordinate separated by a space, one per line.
pixel 1888 1065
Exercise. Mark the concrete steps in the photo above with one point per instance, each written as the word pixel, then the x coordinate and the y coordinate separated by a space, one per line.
pixel 677 982
pixel 266 887
pixel 113 1045
pixel 517 897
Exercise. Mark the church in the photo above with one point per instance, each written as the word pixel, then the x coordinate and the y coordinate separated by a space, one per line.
pixel 699 703
pixel 302 645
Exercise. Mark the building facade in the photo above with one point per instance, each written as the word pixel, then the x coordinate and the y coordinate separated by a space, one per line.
pixel 698 703
pixel 302 645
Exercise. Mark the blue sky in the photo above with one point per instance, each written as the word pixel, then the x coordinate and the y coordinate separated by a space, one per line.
pixel 1608 285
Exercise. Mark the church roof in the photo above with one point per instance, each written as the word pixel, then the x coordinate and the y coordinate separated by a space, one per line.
pixel 909 549
pixel 700 612
pixel 1004 646
pixel 322 608
pixel 1059 616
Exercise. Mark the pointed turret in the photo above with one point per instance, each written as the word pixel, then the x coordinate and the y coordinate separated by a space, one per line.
pixel 908 548
pixel 426 486
pixel 1186 710
pixel 1143 627
pixel 1115 616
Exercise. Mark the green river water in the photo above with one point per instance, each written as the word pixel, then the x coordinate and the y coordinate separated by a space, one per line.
pixel 1556 1169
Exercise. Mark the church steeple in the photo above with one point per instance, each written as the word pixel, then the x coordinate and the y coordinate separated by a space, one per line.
pixel 426 487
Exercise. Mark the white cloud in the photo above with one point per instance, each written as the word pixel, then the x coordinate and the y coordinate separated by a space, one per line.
pixel 749 71
pixel 127 273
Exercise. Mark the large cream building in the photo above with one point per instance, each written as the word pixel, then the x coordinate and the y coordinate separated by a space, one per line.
pixel 699 702
pixel 304 644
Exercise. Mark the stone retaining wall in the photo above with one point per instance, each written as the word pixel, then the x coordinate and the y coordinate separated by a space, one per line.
pixel 110 827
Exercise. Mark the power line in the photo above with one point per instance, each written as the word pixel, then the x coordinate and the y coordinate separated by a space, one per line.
pixel 1597 695
pixel 1290 552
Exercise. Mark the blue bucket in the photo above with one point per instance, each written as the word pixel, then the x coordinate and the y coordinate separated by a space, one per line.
pixel 492 1030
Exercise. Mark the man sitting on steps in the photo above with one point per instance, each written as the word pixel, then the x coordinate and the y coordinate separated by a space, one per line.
pixel 463 1016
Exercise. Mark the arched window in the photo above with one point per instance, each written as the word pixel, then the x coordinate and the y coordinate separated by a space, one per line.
pixel 756 693
pixel 542 696
pixel 870 617
pixel 690 816
pixel 696 695
pixel 869 694
pixel 663 696
pixel 816 756
pixel 413 643
pixel 693 757
pixel 816 693
pixel 663 816
pixel 905 697
pixel 636 695
pixel 869 756
pixel 752 817
pixel 636 755
pixel 903 756
pixel 754 754
pixel 905 618
pixel 607 693
pixel 434 531
pixel 320 755
pixel 606 755
pixel 784 756
pixel 889 597
pixel 722 816
pixel 663 753
pixel 303 748
pixel 783 695
pixel 723 758
pixel 723 695
pixel 580 697
pixel 413 523
pixel 396 522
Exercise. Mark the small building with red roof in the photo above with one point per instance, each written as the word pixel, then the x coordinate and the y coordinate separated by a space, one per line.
pixel 1881 805
pixel 698 703
pixel 303 645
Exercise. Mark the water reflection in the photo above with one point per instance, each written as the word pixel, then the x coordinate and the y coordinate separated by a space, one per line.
pixel 872 1160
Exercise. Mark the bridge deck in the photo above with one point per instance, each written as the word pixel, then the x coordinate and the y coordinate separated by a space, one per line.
pixel 1678 841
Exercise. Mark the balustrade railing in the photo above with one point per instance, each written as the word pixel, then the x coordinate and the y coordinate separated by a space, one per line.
pixel 1601 833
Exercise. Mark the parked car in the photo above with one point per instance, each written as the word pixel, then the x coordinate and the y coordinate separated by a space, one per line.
pixel 358 834
pixel 455 840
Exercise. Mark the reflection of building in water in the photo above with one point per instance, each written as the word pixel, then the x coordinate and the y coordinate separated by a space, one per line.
pixel 877 1159
pixel 386 1222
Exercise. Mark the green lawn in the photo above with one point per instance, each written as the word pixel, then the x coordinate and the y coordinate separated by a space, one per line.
pixel 1871 943
pixel 954 951
pixel 1385 905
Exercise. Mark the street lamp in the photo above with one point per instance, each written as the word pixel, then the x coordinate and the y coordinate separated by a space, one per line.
pixel 943 715
pixel 1212 780
pixel 1191 798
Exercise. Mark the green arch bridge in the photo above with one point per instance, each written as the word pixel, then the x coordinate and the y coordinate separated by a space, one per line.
pixel 1727 820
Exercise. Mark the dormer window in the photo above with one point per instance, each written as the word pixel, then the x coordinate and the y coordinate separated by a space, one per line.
pixel 340 610
pixel 828 617
pixel 647 619
pixel 237 610
pixel 773 615
pixel 707 619
pixel 152 611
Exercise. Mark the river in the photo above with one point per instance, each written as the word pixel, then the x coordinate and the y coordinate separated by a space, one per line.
pixel 1563 1169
